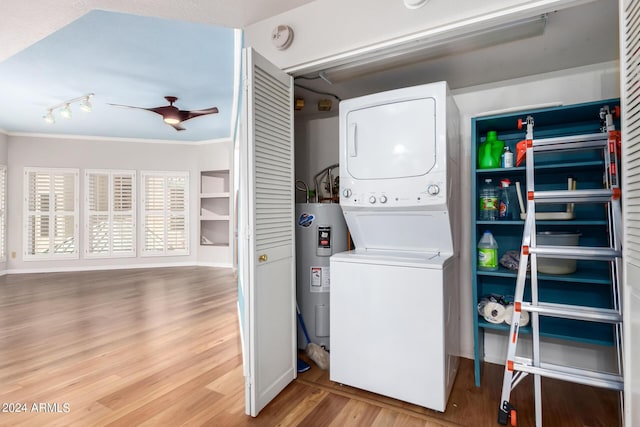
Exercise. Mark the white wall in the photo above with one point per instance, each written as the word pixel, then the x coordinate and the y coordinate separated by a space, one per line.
pixel 41 151
pixel 567 87
pixel 4 143
pixel 328 29
pixel 316 145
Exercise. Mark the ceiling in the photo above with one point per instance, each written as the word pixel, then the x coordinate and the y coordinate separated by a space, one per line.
pixel 131 53
pixel 574 37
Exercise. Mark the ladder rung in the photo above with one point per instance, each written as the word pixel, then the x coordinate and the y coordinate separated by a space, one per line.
pixel 576 252
pixel 574 196
pixel 575 375
pixel 575 142
pixel 577 312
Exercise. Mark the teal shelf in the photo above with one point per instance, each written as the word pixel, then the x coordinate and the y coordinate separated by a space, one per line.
pixel 587 272
pixel 562 329
pixel 571 222
pixel 544 166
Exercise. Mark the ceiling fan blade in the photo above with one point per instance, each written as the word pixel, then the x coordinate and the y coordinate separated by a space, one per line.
pixel 177 127
pixel 130 106
pixel 190 114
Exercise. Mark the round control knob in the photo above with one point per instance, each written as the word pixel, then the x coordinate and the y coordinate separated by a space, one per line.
pixel 372 199
pixel 433 189
pixel 383 199
pixel 346 193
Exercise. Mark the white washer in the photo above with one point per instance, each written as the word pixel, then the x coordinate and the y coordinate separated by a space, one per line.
pixel 395 332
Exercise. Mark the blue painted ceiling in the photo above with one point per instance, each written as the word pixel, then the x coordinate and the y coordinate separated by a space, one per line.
pixel 123 59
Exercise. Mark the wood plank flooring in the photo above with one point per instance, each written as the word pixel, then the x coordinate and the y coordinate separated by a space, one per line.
pixel 161 347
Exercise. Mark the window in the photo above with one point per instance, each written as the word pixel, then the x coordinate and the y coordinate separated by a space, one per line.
pixel 3 213
pixel 51 213
pixel 166 213
pixel 110 213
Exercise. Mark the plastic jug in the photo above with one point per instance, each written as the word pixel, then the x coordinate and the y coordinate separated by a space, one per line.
pixel 487 252
pixel 490 151
pixel 488 201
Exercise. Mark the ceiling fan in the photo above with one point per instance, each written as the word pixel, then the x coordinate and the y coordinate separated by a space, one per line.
pixel 171 115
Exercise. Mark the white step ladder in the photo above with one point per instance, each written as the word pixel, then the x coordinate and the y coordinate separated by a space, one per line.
pixel 516 368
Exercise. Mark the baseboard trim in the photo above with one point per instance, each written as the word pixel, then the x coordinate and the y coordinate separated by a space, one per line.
pixel 215 264
pixel 106 267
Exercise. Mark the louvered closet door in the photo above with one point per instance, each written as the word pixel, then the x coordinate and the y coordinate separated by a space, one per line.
pixel 271 342
pixel 630 77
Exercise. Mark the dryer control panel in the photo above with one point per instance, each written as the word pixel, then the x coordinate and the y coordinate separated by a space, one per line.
pixel 433 192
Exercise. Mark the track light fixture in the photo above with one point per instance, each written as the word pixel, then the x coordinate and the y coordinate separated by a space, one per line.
pixel 65 108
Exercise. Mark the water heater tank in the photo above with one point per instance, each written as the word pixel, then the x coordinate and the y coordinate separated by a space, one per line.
pixel 321 231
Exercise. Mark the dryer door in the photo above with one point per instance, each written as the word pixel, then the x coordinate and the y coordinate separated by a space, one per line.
pixel 392 140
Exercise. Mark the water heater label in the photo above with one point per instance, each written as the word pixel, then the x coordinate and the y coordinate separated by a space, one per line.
pixel 319 279
pixel 306 219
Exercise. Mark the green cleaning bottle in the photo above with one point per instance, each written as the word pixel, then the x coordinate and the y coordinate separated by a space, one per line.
pixel 490 151
pixel 488 252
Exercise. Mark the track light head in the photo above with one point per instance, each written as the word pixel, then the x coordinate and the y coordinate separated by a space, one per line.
pixel 86 105
pixel 66 112
pixel 49 117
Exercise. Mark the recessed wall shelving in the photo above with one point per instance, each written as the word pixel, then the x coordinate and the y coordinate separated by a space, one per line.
pixel 214 208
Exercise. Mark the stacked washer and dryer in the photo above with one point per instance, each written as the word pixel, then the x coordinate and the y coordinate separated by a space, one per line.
pixel 394 318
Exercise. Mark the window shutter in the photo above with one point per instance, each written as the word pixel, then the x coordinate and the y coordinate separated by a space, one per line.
pixel 177 221
pixel 154 214
pixel 123 214
pixel 52 213
pixel 166 213
pixel 110 213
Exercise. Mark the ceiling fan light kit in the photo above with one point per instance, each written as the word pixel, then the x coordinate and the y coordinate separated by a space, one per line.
pixel 65 108
pixel 171 120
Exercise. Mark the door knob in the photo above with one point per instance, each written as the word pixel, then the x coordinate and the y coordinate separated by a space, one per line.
pixel 262 258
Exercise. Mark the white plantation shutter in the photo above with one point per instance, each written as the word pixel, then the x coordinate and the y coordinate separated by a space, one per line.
pixel 110 213
pixel 177 220
pixel 123 213
pixel 3 213
pixel 51 204
pixel 153 214
pixel 165 203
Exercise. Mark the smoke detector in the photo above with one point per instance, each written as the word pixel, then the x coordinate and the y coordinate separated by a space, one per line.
pixel 414 4
pixel 282 36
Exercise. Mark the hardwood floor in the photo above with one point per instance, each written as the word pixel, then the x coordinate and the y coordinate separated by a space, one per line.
pixel 160 347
